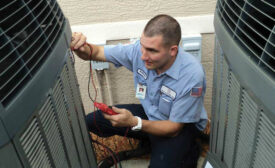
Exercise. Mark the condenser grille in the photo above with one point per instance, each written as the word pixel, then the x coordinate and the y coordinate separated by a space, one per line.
pixel 247 129
pixel 232 119
pixel 62 112
pixel 49 123
pixel 265 144
pixel 252 25
pixel 28 32
pixel 73 110
pixel 54 135
pixel 34 146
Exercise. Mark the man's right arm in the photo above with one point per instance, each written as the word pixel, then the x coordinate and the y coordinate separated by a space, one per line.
pixel 83 50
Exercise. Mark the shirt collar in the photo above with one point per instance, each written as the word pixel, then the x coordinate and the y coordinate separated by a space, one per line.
pixel 174 70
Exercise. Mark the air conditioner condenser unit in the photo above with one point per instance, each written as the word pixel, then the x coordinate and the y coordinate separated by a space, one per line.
pixel 41 113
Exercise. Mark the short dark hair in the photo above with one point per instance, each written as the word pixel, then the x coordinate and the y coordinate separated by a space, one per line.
pixel 166 26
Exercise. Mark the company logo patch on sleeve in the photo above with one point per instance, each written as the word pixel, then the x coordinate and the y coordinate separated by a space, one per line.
pixel 196 91
pixel 142 73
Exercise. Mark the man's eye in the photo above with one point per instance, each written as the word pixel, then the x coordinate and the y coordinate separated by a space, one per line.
pixel 152 50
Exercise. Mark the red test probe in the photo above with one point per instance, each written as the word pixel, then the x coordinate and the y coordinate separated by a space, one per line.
pixel 104 108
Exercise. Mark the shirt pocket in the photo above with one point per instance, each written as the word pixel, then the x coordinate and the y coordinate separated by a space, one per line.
pixel 140 80
pixel 165 104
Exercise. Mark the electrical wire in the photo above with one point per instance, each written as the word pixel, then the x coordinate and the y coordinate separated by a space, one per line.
pixel 91 76
pixel 113 155
pixel 94 100
pixel 109 150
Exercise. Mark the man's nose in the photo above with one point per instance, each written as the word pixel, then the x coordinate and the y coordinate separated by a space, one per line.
pixel 144 56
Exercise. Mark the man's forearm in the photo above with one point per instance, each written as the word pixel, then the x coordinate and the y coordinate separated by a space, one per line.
pixel 97 53
pixel 91 52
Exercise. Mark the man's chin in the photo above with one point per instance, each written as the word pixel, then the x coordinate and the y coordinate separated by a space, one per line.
pixel 150 67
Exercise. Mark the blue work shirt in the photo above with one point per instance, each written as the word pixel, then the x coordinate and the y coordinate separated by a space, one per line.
pixel 176 94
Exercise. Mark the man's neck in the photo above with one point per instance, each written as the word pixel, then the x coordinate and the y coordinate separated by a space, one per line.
pixel 166 66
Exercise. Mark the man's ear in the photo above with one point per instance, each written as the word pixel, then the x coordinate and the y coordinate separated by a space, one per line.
pixel 174 50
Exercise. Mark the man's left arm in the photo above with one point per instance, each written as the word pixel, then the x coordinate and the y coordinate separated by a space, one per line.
pixel 162 128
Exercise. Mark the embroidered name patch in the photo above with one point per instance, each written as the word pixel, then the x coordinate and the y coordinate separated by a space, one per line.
pixel 142 73
pixel 169 92
pixel 196 91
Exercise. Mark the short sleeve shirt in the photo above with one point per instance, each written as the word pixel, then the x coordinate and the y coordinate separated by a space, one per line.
pixel 176 94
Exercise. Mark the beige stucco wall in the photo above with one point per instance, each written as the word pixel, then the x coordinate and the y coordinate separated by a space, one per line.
pixel 98 11
pixel 121 84
pixel 207 63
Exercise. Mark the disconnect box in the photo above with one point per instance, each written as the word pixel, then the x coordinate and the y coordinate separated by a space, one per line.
pixel 192 45
pixel 99 65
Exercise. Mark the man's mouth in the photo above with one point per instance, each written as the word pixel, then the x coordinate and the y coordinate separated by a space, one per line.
pixel 148 63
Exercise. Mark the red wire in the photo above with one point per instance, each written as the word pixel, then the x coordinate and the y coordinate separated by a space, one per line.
pixel 100 132
pixel 127 130
pixel 105 147
pixel 93 83
pixel 91 73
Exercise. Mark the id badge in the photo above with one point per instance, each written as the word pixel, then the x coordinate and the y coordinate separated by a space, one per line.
pixel 141 91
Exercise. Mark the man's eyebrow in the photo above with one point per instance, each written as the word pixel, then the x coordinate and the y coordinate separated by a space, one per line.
pixel 148 48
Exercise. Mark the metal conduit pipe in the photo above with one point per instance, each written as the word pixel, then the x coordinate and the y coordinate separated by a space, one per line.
pixel 108 86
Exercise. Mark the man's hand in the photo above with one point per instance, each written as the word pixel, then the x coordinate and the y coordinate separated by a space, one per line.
pixel 79 47
pixel 78 41
pixel 124 118
pixel 86 51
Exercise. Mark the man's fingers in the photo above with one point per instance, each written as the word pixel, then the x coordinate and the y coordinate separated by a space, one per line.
pixel 114 124
pixel 117 110
pixel 82 48
pixel 75 39
pixel 81 42
pixel 78 40
pixel 106 116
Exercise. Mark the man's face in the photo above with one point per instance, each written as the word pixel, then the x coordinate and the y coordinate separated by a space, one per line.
pixel 155 55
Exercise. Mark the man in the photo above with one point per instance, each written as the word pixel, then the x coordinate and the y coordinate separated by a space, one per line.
pixel 173 86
